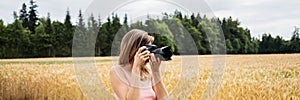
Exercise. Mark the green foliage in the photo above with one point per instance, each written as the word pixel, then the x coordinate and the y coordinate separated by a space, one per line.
pixel 236 44
pixel 16 40
pixel 197 36
pixel 42 42
pixel 213 33
pixel 229 47
pixel 30 36
pixel 179 33
pixel 68 32
pixel 3 39
pixel 80 39
pixel 294 45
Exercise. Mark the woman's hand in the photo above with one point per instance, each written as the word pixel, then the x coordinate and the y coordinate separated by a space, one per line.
pixel 154 63
pixel 140 58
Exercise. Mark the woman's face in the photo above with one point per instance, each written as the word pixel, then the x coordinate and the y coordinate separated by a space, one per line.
pixel 150 43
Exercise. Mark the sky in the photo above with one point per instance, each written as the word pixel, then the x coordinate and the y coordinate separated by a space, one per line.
pixel 277 17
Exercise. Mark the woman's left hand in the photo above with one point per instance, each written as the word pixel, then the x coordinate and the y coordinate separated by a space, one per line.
pixel 154 63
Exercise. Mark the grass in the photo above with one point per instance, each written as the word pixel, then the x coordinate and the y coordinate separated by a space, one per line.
pixel 272 76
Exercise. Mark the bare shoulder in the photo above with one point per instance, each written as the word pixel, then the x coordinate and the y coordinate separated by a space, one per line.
pixel 118 86
pixel 113 71
pixel 116 74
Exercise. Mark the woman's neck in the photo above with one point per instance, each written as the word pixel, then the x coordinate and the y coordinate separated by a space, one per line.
pixel 127 67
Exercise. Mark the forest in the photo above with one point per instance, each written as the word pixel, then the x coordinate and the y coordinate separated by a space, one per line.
pixel 33 36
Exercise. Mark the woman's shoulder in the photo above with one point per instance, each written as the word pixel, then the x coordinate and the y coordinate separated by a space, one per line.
pixel 115 69
pixel 119 72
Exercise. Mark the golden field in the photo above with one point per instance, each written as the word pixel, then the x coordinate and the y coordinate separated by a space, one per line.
pixel 271 76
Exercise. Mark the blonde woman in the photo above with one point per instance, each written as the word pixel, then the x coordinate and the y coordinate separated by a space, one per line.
pixel 134 78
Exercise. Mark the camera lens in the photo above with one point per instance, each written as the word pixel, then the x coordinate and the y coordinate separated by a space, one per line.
pixel 164 53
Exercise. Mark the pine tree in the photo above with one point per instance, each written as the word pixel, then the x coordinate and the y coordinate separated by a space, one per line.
pixel 92 23
pixel 178 14
pixel 24 16
pixel 98 46
pixel 3 39
pixel 115 25
pixel 48 28
pixel 67 35
pixel 49 33
pixel 80 24
pixel 104 37
pixel 295 41
pixel 125 23
pixel 59 39
pixel 33 17
pixel 80 38
pixel 92 31
pixel 68 23
pixel 195 21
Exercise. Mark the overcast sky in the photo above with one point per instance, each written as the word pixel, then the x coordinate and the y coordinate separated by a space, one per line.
pixel 278 17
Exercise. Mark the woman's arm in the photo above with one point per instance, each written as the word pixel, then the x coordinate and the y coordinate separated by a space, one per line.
pixel 158 86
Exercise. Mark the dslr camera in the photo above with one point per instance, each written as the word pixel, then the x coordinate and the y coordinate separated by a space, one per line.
pixel 163 53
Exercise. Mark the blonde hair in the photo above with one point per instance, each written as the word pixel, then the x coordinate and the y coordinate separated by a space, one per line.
pixel 131 42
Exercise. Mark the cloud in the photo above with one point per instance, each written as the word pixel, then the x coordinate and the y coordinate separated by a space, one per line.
pixel 277 17
pixel 58 8
pixel 7 8
pixel 146 7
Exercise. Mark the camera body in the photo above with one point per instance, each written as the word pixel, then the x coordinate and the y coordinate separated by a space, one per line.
pixel 163 53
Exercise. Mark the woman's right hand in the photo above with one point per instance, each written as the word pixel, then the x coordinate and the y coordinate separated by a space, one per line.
pixel 140 58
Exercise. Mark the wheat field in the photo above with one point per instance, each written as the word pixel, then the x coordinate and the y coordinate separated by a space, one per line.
pixel 271 76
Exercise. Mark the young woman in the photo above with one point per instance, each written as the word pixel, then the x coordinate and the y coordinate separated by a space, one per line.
pixel 134 78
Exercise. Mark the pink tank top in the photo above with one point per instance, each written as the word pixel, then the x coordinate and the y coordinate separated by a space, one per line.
pixel 145 93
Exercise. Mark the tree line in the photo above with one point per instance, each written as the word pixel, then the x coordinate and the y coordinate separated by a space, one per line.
pixel 32 36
